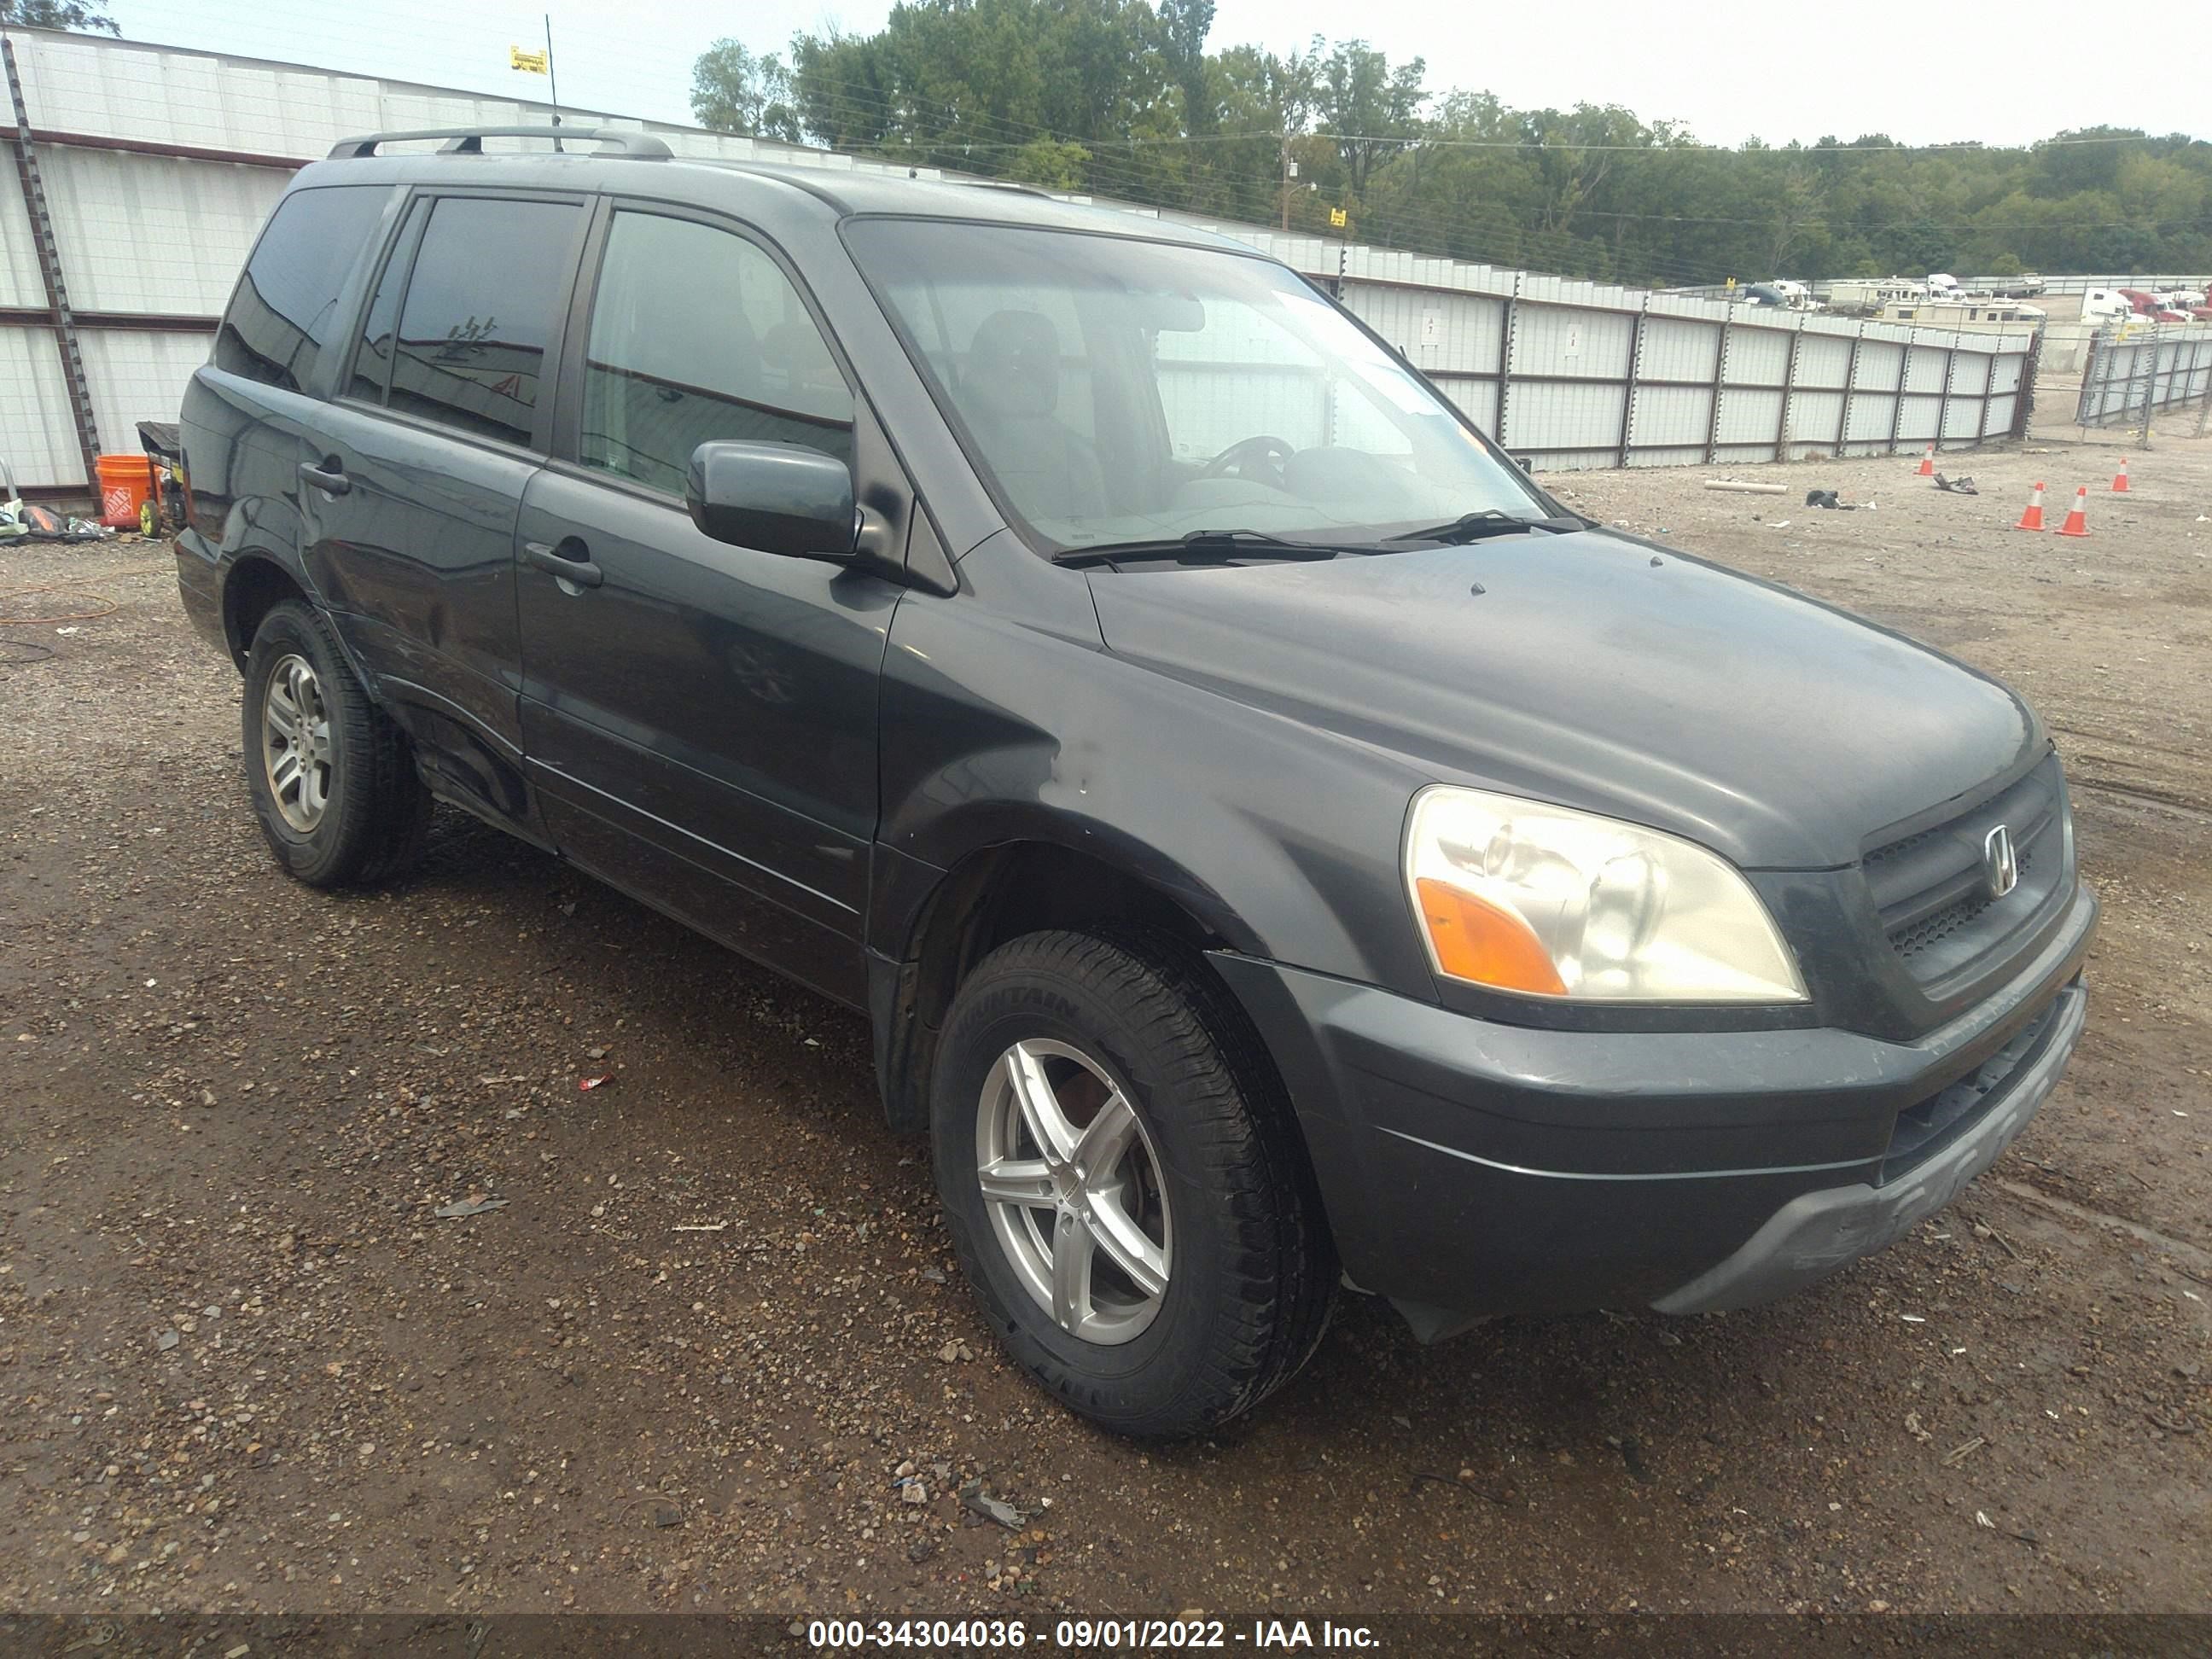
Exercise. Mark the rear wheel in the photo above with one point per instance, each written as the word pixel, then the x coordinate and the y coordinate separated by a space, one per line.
pixel 332 778
pixel 1128 1196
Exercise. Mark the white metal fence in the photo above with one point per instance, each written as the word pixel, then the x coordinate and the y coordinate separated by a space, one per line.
pixel 161 164
pixel 2132 373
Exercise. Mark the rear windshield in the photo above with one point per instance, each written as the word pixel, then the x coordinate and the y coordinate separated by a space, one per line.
pixel 1112 390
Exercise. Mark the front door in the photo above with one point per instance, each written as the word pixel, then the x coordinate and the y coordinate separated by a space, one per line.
pixel 701 719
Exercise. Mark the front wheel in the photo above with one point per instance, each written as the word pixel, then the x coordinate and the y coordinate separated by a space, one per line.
pixel 1128 1192
pixel 332 778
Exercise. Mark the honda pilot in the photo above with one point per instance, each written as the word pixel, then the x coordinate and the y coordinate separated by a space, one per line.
pixel 1276 845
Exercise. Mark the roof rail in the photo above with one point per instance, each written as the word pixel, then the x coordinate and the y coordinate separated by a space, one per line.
pixel 469 141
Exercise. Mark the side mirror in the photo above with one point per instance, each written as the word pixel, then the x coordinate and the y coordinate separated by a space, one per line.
pixel 1521 461
pixel 774 498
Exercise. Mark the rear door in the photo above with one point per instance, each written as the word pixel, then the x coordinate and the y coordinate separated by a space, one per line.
pixel 700 719
pixel 247 410
pixel 414 480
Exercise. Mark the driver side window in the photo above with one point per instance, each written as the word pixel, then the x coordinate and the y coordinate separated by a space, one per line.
pixel 696 334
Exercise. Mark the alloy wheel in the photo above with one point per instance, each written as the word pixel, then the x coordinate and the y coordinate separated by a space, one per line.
pixel 295 742
pixel 1072 1183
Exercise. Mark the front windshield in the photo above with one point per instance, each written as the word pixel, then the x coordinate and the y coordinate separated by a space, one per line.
pixel 1116 391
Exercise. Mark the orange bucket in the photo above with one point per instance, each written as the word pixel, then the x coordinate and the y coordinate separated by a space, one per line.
pixel 126 482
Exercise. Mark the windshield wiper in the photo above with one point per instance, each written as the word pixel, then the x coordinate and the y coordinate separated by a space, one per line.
pixel 1202 547
pixel 1489 521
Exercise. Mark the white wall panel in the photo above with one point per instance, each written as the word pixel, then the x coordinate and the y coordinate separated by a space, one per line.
pixel 1881 363
pixel 1559 340
pixel 138 376
pixel 1671 417
pixel 1678 351
pixel 1477 398
pixel 1871 414
pixel 154 233
pixel 1970 374
pixel 1822 360
pixel 1757 356
pixel 1749 417
pixel 1815 417
pixel 1916 424
pixel 38 439
pixel 20 283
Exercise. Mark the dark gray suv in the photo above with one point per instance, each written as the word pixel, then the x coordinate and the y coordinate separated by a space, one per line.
pixel 1272 841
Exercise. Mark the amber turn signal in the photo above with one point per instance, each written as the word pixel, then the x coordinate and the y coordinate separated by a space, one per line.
pixel 1485 943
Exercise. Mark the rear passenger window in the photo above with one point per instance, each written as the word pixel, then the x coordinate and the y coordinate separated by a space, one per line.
pixel 479 314
pixel 285 312
pixel 696 334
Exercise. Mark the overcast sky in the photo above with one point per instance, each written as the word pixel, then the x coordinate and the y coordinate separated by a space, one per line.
pixel 1922 73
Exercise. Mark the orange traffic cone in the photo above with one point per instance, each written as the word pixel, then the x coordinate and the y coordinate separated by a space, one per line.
pixel 2120 479
pixel 2077 521
pixel 1926 464
pixel 2032 519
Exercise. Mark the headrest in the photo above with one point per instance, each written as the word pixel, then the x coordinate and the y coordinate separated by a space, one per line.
pixel 1014 364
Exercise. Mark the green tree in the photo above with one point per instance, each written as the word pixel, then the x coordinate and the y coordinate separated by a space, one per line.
pixel 85 17
pixel 1050 163
pixel 1123 98
pixel 1368 109
pixel 734 91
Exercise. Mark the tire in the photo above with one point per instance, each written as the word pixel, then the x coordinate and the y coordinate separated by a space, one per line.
pixel 358 812
pixel 1235 1290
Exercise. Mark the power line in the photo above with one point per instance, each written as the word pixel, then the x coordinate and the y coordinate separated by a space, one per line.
pixel 1427 141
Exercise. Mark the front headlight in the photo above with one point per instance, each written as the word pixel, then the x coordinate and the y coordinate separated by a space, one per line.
pixel 1545 901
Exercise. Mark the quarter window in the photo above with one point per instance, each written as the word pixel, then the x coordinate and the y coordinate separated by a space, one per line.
pixel 285 311
pixel 482 298
pixel 696 335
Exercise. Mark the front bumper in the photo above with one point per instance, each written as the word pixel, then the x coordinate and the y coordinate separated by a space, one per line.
pixel 1472 1167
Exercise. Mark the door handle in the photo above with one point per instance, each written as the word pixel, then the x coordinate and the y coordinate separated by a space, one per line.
pixel 333 482
pixel 571 561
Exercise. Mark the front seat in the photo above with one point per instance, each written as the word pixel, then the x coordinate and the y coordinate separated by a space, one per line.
pixel 1008 396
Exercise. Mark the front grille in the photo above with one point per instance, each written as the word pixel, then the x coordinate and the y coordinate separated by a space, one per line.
pixel 1931 892
pixel 1936 1121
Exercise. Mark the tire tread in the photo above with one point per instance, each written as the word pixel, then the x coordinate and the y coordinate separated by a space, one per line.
pixel 383 811
pixel 1282 1273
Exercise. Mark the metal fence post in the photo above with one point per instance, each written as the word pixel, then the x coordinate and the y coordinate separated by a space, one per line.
pixel 1628 392
pixel 1904 374
pixel 1509 317
pixel 2023 400
pixel 1720 384
pixel 1943 403
pixel 1788 390
pixel 2151 382
pixel 1850 386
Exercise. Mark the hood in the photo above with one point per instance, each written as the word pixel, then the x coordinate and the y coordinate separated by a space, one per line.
pixel 1593 671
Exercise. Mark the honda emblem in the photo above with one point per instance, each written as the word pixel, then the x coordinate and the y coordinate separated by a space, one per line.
pixel 2000 864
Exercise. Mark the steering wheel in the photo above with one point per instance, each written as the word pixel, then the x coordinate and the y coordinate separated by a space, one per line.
pixel 1249 454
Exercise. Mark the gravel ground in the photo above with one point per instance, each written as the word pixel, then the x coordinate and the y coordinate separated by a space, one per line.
pixel 246 1365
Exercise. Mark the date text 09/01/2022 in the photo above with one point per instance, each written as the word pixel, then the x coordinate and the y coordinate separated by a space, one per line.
pixel 1119 1634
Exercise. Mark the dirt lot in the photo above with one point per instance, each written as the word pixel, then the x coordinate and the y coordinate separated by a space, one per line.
pixel 244 1366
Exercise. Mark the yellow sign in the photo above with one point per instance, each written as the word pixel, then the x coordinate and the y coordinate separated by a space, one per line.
pixel 533 63
pixel 1336 217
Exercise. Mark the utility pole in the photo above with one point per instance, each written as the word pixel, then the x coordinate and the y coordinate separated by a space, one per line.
pixel 1286 181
